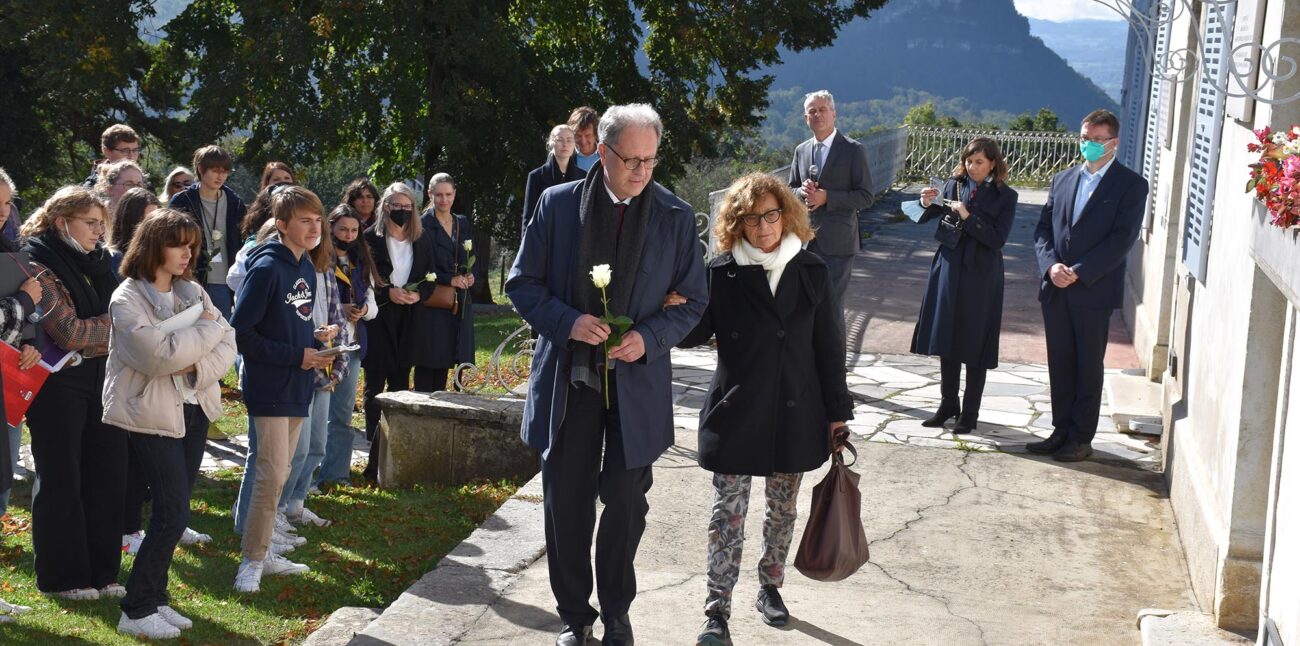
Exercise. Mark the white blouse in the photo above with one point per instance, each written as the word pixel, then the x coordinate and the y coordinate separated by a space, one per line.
pixel 402 253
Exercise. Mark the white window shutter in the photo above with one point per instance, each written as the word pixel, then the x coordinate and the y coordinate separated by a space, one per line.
pixel 1157 116
pixel 1216 39
pixel 1137 84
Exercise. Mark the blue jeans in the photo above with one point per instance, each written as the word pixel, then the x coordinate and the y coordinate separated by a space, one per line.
pixel 337 464
pixel 310 450
pixel 222 298
pixel 240 512
pixel 15 441
pixel 163 468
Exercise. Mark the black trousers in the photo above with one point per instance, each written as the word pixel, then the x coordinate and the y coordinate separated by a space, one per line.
pixel 573 474
pixel 1076 355
pixel 950 378
pixel 430 380
pixel 80 485
pixel 163 467
pixel 378 381
pixel 137 489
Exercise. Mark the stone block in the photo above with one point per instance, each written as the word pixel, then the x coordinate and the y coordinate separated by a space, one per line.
pixel 341 626
pixel 451 438
pixel 1131 396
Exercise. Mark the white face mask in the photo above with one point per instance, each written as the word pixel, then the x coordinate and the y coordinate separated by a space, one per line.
pixel 72 242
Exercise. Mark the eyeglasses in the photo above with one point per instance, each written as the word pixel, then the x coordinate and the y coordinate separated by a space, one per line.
pixel 770 216
pixel 1098 140
pixel 131 184
pixel 98 226
pixel 128 151
pixel 633 163
pixel 178 185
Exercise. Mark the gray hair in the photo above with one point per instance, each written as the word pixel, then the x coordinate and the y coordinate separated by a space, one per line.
pixel 555 132
pixel 8 181
pixel 819 94
pixel 619 117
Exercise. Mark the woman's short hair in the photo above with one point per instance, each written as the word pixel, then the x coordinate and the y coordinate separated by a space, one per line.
pixel 270 169
pixel 991 151
pixel 555 135
pixel 413 227
pixel 356 188
pixel 164 228
pixel 127 216
pixel 66 202
pixel 583 117
pixel 741 199
pixel 620 117
pixel 210 157
pixel 108 173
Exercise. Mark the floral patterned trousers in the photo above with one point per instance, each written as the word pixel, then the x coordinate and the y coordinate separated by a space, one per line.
pixel 727 534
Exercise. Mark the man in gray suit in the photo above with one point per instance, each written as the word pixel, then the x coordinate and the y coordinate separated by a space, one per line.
pixel 830 173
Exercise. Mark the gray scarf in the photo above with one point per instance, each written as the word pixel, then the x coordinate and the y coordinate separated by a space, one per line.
pixel 601 243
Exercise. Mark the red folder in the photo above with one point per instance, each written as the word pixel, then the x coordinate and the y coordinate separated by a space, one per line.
pixel 20 386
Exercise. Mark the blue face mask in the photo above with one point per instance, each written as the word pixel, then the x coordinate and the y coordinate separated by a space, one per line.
pixel 1091 150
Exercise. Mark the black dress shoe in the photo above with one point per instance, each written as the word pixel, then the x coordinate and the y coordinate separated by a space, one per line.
pixel 714 633
pixel 1049 445
pixel 1073 452
pixel 618 631
pixel 572 636
pixel 965 424
pixel 946 411
pixel 771 606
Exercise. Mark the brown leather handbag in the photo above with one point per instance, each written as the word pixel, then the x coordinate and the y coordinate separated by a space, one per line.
pixel 834 544
pixel 445 296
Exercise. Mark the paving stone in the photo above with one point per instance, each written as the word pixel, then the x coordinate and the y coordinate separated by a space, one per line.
pixel 1013 390
pixel 911 428
pixel 891 375
pixel 872 392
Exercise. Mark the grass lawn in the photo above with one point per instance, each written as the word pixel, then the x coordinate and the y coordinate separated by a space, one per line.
pixel 380 543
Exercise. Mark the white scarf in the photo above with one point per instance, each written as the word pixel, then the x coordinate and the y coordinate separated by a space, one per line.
pixel 774 262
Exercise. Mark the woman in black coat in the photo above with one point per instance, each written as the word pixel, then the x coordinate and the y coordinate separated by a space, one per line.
pixel 453 333
pixel 560 167
pixel 961 312
pixel 400 335
pixel 779 390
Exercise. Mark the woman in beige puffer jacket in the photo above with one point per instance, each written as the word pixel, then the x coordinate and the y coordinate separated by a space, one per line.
pixel 163 387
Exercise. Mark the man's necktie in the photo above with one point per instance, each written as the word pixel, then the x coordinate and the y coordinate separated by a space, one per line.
pixel 817 160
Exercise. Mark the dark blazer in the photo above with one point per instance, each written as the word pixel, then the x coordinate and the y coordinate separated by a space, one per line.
pixel 540 285
pixel 961 311
pixel 780 376
pixel 544 177
pixel 453 335
pixel 847 181
pixel 400 335
pixel 1097 247
pixel 188 200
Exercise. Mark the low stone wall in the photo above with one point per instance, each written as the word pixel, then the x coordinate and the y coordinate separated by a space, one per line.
pixel 451 438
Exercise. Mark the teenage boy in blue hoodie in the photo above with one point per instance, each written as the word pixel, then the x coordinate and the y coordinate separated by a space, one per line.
pixel 273 330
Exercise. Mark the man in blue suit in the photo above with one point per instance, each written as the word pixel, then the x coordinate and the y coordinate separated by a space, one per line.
pixel 599 430
pixel 1088 225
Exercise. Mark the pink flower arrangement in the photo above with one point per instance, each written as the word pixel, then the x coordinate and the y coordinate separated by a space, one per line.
pixel 1275 178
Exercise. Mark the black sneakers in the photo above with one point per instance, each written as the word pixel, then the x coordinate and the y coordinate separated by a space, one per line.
pixel 771 606
pixel 714 632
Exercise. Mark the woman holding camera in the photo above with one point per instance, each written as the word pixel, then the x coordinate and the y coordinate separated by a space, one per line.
pixel 961 311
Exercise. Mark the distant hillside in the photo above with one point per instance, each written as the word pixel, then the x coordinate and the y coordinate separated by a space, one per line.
pixel 1094 47
pixel 975 58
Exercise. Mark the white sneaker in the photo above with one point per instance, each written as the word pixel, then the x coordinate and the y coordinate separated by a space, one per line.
pixel 152 627
pixel 79 594
pixel 131 542
pixel 7 608
pixel 249 577
pixel 288 539
pixel 112 591
pixel 191 537
pixel 280 548
pixel 175 618
pixel 282 523
pixel 308 517
pixel 276 564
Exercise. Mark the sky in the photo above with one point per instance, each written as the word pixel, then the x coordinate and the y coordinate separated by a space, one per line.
pixel 1063 10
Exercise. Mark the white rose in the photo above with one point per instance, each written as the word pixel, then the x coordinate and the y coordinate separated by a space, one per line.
pixel 601 275
pixel 430 277
pixel 216 236
pixel 469 245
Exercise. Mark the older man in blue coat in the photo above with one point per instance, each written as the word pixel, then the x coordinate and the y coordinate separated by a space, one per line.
pixel 600 429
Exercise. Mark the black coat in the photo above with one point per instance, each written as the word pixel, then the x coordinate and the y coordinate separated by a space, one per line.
pixel 546 176
pixel 400 335
pixel 453 334
pixel 961 311
pixel 780 376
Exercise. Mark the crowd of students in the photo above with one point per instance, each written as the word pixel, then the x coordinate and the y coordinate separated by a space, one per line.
pixel 159 299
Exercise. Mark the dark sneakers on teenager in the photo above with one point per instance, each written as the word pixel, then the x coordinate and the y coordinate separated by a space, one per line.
pixel 771 606
pixel 714 632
